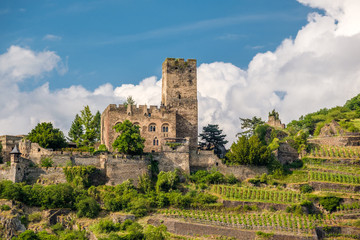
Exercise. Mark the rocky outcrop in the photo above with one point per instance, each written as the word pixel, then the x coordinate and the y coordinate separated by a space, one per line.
pixel 286 153
pixel 10 224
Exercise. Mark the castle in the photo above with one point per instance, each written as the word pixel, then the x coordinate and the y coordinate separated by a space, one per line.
pixel 176 119
pixel 170 132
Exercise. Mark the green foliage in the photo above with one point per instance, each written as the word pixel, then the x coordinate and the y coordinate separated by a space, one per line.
pixel 330 203
pixel 87 207
pixel 250 125
pixel 46 162
pixel 212 137
pixel 129 141
pixel 167 181
pixel 105 226
pixel 306 188
pixel 264 235
pixel 47 136
pixel 79 175
pixel 274 144
pixel 76 131
pixel 156 233
pixel 129 101
pixel 85 129
pixel 274 114
pixel 211 177
pixel 248 151
pixel 4 207
pixel 35 217
pixel 101 149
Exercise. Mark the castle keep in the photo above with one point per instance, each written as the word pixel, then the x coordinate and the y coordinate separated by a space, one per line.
pixel 174 120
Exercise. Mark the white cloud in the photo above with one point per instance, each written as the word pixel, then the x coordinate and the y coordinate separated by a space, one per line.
pixel 319 68
pixel 51 37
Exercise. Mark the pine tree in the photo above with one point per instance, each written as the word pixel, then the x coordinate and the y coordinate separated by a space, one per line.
pixel 212 137
pixel 76 131
pixel 129 101
pixel 97 125
pixel 87 118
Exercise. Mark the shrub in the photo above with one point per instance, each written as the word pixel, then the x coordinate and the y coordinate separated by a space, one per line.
pixel 330 203
pixel 306 188
pixel 105 226
pixel 156 233
pixel 167 181
pixel 264 235
pixel 87 207
pixel 46 162
pixel 35 217
pixel 4 207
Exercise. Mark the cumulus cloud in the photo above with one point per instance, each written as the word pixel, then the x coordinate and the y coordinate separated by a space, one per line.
pixel 317 68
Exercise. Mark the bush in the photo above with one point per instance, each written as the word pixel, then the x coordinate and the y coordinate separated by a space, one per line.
pixel 87 207
pixel 167 181
pixel 105 226
pixel 156 233
pixel 4 207
pixel 330 203
pixel 46 162
pixel 306 188
pixel 35 217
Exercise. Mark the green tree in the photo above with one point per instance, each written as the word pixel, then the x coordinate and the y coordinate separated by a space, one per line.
pixel 76 131
pixel 249 125
pixel 129 101
pixel 47 136
pixel 212 136
pixel 87 207
pixel 87 120
pixel 85 129
pixel 129 141
pixel 96 125
pixel 249 151
pixel 274 114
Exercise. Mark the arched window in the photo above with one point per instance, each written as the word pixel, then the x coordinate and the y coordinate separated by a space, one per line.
pixel 156 142
pixel 152 127
pixel 165 128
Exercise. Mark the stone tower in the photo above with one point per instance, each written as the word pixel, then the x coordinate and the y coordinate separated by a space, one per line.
pixel 179 92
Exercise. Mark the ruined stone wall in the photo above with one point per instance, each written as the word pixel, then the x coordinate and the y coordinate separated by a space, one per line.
pixel 8 143
pixel 51 175
pixel 175 157
pixel 33 151
pixel 179 92
pixel 119 170
pixel 163 119
pixel 276 123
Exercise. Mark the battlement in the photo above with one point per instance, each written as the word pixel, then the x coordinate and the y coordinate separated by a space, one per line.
pixel 140 110
pixel 179 65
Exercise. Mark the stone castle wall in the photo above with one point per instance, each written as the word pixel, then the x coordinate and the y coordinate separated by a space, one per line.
pixel 161 118
pixel 179 92
pixel 8 143
pixel 276 123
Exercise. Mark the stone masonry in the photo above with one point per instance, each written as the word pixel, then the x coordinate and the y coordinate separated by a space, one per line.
pixel 176 118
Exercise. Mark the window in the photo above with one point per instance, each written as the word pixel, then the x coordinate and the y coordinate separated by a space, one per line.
pixel 156 142
pixel 165 128
pixel 152 127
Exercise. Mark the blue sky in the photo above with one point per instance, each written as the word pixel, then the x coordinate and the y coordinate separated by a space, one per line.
pixel 296 56
pixel 126 41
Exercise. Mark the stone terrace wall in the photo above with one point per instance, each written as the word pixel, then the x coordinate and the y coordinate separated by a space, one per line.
pixel 208 160
pixel 337 141
pixel 195 229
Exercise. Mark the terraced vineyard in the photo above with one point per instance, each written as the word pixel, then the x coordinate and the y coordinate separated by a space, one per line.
pixel 257 195
pixel 278 221
pixel 335 152
pixel 333 177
